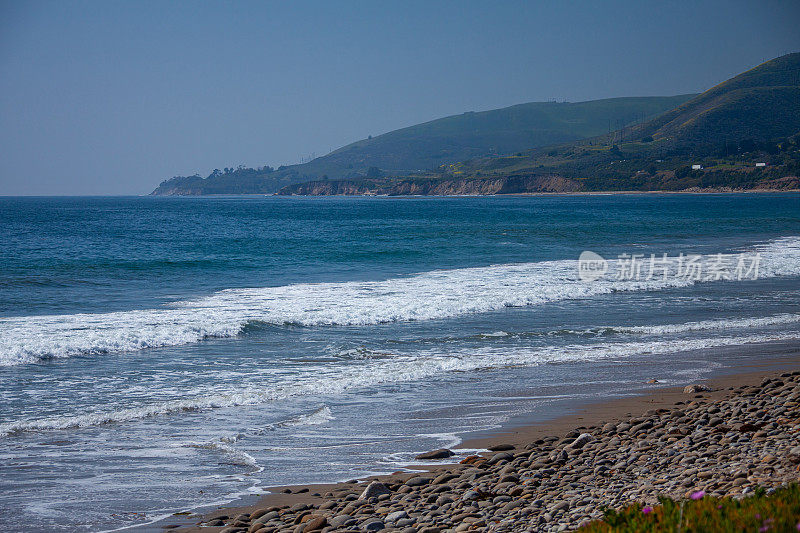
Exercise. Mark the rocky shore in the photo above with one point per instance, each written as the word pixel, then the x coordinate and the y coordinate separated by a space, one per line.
pixel 426 186
pixel 725 443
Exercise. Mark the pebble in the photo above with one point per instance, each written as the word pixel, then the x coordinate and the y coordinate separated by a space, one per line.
pixel 373 490
pixel 436 454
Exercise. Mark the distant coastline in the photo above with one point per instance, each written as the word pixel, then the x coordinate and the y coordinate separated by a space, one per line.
pixel 742 134
pixel 718 190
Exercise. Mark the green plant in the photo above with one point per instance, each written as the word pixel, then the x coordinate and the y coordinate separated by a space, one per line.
pixel 778 512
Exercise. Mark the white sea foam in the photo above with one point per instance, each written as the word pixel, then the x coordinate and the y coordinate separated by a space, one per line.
pixel 703 325
pixel 315 418
pixel 426 296
pixel 233 456
pixel 337 379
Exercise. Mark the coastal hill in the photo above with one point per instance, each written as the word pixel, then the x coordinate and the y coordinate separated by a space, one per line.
pixel 446 140
pixel 496 132
pixel 741 134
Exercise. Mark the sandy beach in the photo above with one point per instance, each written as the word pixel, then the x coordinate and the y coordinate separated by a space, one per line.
pixel 731 434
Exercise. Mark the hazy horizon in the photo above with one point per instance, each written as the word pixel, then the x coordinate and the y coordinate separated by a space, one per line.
pixel 106 99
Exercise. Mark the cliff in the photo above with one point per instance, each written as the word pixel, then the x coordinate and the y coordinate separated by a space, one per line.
pixel 433 186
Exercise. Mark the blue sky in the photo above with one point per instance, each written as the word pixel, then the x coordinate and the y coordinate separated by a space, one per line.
pixel 111 97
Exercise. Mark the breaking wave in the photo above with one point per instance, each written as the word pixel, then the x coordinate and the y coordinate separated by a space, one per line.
pixel 315 418
pixel 397 369
pixel 426 296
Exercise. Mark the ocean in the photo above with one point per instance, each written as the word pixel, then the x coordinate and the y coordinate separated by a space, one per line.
pixel 163 354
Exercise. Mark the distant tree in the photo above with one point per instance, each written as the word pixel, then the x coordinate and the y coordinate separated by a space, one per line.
pixel 747 145
pixel 647 139
pixel 374 172
pixel 683 172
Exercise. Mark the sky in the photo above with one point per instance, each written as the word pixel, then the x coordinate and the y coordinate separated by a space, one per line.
pixel 112 97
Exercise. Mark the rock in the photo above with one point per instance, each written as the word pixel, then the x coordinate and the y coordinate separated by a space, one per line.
pixel 265 517
pixel 582 440
pixel 794 453
pixel 501 447
pixel 417 481
pixel 315 523
pixel 470 495
pixel 443 478
pixel 373 490
pixel 502 456
pixel 560 506
pixel 693 389
pixel 258 513
pixel 395 516
pixel 652 381
pixel 443 453
pixel 339 520
pixel 444 500
pixel 373 525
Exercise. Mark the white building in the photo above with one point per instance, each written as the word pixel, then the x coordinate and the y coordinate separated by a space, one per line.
pixel 697 167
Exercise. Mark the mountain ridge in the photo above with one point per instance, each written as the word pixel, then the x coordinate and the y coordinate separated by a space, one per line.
pixel 445 140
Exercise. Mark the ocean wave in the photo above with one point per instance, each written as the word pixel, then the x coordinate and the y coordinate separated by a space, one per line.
pixel 315 418
pixel 232 455
pixel 708 325
pixel 668 329
pixel 399 369
pixel 427 296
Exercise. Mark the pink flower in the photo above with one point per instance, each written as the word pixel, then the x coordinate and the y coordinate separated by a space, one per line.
pixel 647 510
pixel 798 526
pixel 697 495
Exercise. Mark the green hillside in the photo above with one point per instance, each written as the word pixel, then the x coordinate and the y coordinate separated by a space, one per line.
pixel 760 104
pixel 499 131
pixel 426 146
pixel 749 119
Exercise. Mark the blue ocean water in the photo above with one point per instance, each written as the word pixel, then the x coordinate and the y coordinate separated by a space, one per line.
pixel 157 354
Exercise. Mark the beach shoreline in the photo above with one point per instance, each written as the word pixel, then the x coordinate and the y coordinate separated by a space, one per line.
pixel 515 435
